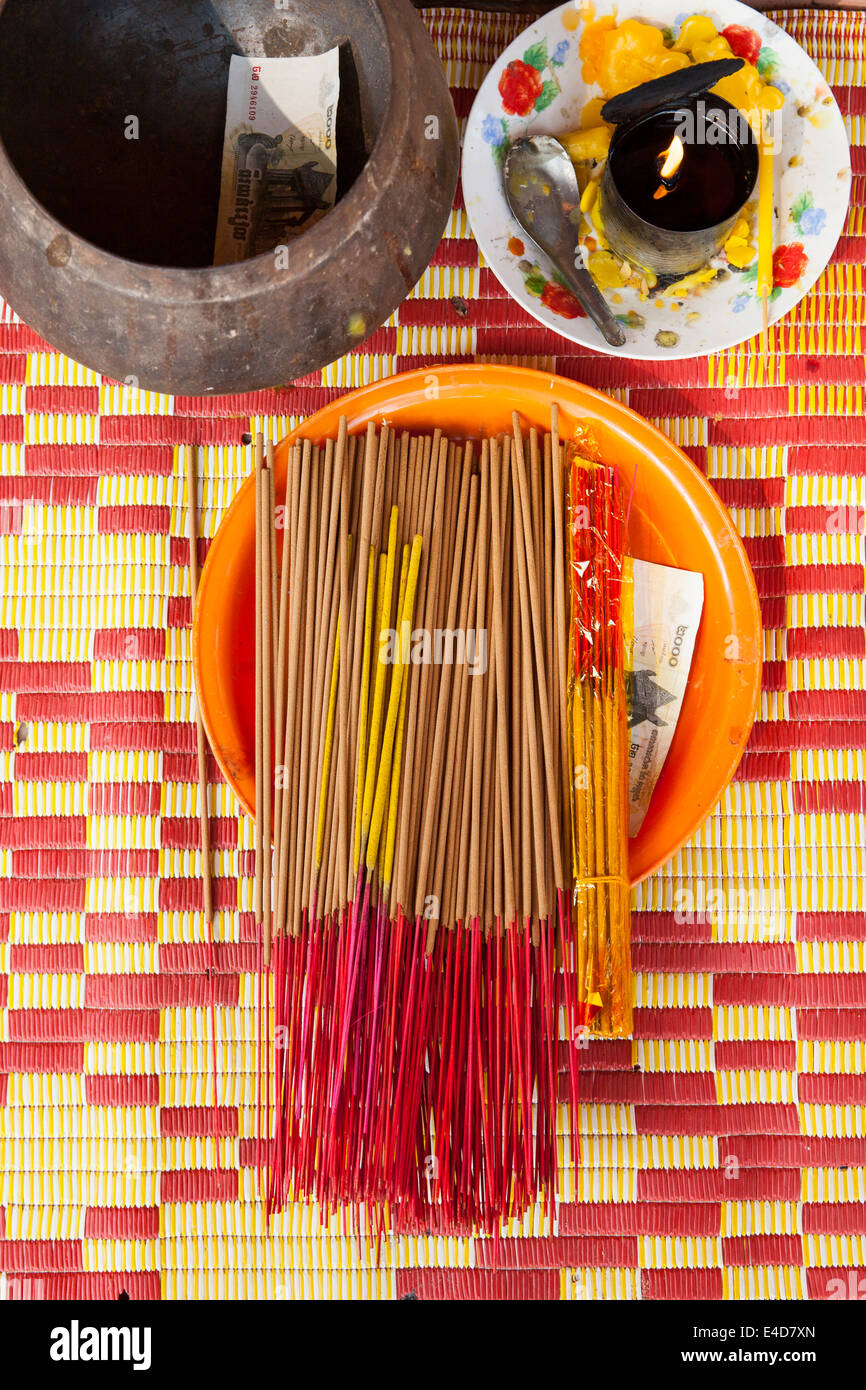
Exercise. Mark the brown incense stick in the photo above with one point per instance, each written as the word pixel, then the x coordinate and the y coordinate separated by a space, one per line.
pixel 455 905
pixel 454 463
pixel 534 619
pixel 499 658
pixel 478 703
pixel 347 480
pixel 302 493
pixel 305 699
pixel 367 484
pixel 449 775
pixel 432 803
pixel 427 603
pixel 489 826
pixel 325 612
pixel 293 468
pixel 334 463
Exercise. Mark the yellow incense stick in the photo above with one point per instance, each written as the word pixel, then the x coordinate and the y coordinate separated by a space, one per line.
pixel 382 798
pixel 396 678
pixel 391 836
pixel 386 590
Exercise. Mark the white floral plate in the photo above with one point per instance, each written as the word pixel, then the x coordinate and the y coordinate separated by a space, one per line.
pixel 813 183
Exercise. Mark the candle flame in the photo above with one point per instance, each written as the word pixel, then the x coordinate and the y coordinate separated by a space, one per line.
pixel 673 158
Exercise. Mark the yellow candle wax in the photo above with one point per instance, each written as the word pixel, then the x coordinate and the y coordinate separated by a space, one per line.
pixel 765 211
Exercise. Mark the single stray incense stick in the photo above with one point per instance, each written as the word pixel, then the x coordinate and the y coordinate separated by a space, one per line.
pixel 201 752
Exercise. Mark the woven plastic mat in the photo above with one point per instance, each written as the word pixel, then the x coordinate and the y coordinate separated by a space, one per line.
pixel 722 1150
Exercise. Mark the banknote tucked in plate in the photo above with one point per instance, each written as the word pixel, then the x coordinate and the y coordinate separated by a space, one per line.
pixel 667 615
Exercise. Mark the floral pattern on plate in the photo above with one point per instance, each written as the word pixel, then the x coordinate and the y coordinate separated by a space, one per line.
pixel 523 87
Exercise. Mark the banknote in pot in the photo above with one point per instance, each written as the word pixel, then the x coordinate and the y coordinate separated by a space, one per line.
pixel 667 614
pixel 279 169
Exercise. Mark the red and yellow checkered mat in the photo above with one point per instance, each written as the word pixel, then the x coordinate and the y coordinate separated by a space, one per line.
pixel 722 1150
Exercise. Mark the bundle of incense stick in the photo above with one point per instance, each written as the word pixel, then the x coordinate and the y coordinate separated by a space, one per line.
pixel 602 969
pixel 424 942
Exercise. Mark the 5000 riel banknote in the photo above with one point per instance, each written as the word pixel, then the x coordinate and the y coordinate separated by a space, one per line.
pixel 279 169
pixel 667 614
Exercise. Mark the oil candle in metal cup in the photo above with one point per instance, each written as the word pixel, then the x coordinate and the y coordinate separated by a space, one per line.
pixel 675 182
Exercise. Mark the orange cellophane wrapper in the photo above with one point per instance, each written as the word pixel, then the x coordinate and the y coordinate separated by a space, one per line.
pixel 600 602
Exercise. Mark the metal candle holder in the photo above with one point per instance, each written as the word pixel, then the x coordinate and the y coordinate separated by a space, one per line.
pixel 664 250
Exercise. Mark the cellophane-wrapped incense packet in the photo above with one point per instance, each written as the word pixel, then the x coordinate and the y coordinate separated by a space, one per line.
pixel 600 600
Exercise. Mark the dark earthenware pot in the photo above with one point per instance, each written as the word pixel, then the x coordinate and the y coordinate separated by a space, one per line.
pixel 105 243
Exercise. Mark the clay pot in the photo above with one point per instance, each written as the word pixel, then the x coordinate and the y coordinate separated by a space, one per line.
pixel 106 243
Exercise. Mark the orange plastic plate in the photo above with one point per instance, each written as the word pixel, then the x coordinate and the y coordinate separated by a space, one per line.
pixel 676 519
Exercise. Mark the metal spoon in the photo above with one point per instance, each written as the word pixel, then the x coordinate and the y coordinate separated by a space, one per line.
pixel 542 192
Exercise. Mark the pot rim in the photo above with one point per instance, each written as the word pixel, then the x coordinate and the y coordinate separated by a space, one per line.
pixel 192 285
